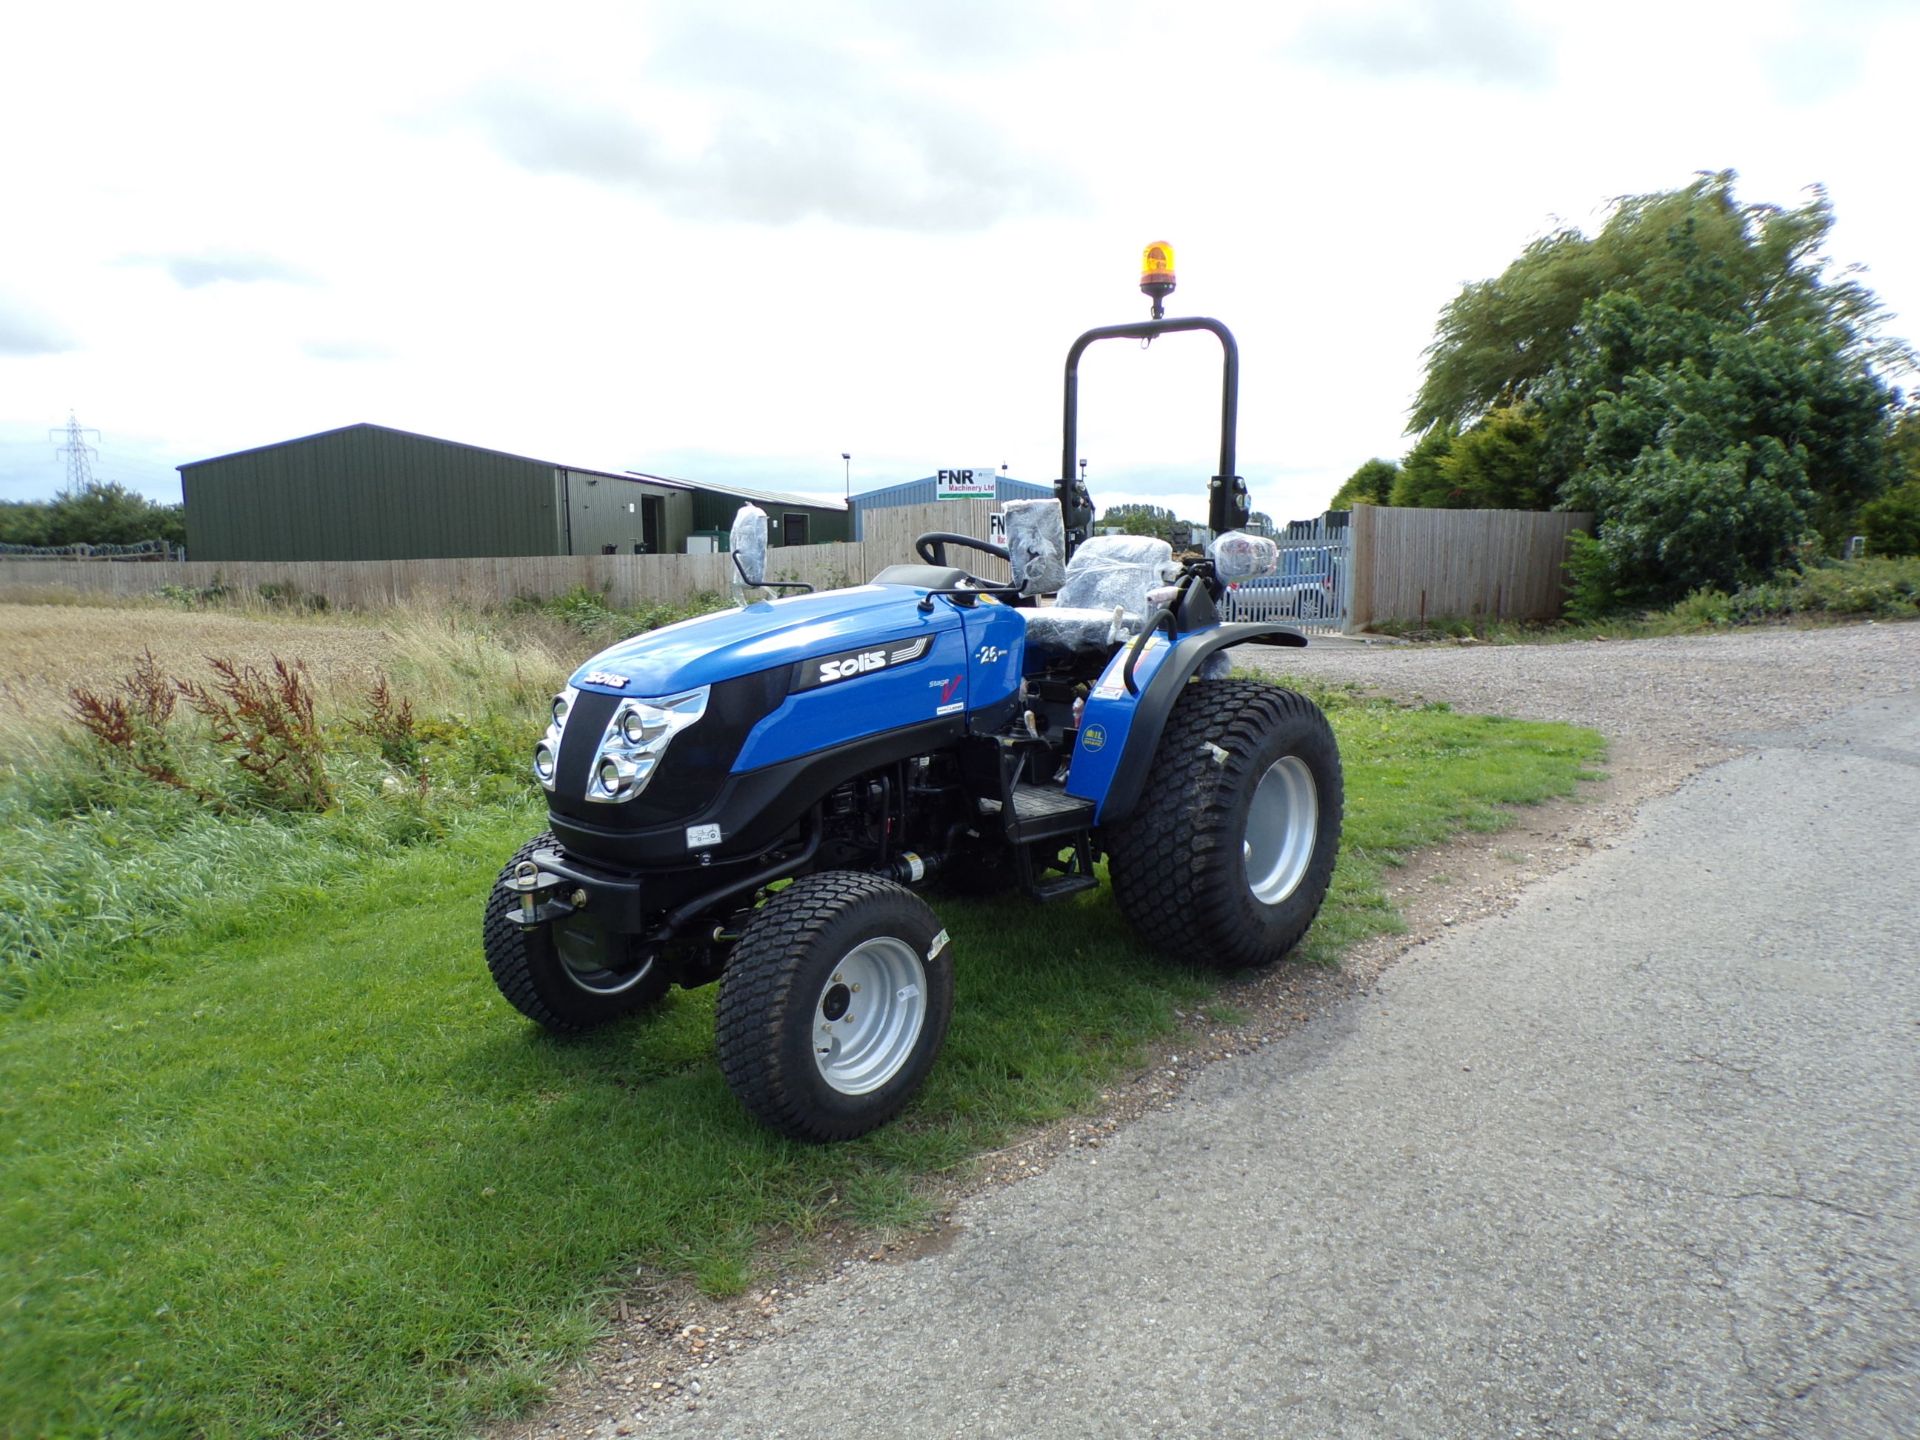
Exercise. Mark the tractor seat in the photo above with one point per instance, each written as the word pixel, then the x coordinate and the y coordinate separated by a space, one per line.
pixel 922 577
pixel 1107 573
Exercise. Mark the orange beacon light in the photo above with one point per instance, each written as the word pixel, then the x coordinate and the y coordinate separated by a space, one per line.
pixel 1156 273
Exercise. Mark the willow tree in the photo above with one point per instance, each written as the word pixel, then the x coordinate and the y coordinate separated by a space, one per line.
pixel 1499 340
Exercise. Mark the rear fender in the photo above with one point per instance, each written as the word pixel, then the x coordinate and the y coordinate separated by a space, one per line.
pixel 1120 731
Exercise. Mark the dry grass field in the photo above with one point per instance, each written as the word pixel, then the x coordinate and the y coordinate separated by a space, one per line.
pixel 47 649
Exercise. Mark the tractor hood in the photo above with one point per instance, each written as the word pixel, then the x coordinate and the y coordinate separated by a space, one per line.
pixel 771 633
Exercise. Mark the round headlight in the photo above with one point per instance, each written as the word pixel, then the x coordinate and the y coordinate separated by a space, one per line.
pixel 559 709
pixel 543 760
pixel 610 777
pixel 633 727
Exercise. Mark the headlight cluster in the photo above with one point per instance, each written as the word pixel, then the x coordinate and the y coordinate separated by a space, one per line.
pixel 630 749
pixel 635 740
pixel 546 755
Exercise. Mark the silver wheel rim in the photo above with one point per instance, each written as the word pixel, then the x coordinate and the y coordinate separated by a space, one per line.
pixel 1282 823
pixel 867 1018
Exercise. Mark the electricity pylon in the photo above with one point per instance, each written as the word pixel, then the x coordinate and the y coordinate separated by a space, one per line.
pixel 80 455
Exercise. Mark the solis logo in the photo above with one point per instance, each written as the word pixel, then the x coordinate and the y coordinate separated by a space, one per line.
pixel 852 665
pixel 848 664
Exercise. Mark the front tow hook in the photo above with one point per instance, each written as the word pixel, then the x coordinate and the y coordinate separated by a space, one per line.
pixel 544 896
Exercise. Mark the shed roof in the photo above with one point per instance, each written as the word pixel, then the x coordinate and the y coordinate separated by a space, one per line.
pixel 737 491
pixel 742 492
pixel 410 435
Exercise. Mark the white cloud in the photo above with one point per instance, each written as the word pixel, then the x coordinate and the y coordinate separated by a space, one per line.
pixel 346 350
pixel 1477 41
pixel 24 331
pixel 749 122
pixel 214 267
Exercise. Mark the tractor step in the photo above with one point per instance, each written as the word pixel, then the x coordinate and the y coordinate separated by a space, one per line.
pixel 1061 886
pixel 1046 812
pixel 1041 830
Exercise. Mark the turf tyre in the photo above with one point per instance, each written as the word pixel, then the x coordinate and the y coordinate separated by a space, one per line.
pixel 779 992
pixel 537 981
pixel 1180 864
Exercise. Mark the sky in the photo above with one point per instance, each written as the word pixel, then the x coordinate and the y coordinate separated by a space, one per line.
pixel 732 240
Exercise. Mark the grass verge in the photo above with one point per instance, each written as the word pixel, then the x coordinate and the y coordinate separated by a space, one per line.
pixel 295 1168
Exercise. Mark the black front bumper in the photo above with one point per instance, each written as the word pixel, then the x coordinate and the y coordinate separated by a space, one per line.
pixel 553 886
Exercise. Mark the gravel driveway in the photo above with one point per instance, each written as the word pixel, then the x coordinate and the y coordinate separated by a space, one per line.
pixel 1669 707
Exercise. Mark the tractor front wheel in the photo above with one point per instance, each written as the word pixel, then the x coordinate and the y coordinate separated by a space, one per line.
pixel 1230 849
pixel 569 981
pixel 833 1006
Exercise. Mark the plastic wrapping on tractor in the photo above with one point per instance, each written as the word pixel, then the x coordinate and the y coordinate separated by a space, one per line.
pixel 1036 545
pixel 1108 574
pixel 748 542
pixel 1240 556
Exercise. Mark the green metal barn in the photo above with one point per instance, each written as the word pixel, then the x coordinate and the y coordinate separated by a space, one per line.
pixel 366 492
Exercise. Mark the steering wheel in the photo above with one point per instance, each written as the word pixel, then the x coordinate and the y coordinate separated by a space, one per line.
pixel 932 548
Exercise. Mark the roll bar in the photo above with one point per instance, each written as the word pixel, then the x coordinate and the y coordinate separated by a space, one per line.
pixel 1228 505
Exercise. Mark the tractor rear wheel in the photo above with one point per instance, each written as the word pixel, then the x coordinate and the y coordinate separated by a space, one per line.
pixel 834 1004
pixel 1228 853
pixel 567 982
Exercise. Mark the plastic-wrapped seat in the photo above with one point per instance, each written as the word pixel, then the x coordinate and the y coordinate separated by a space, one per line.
pixel 1105 597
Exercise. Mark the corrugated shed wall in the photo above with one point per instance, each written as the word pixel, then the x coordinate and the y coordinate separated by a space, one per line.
pixel 598 515
pixel 713 511
pixel 367 493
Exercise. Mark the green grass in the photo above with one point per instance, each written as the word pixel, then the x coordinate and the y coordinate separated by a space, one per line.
pixel 292 1166
pixel 588 614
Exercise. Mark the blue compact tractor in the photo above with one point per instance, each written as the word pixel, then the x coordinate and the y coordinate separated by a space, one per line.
pixel 758 797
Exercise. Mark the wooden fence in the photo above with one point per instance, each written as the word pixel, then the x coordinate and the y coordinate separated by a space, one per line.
pixel 1405 565
pixel 625 579
pixel 1503 564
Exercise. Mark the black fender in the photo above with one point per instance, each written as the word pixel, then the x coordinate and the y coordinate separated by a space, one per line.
pixel 1156 703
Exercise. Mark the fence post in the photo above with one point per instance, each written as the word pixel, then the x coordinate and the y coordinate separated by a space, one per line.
pixel 1360 568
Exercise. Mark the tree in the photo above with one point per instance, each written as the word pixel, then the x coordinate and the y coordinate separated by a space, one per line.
pixel 1155 520
pixel 1371 484
pixel 1713 450
pixel 106 514
pixel 1903 445
pixel 1423 479
pixel 1501 463
pixel 25 522
pixel 1891 524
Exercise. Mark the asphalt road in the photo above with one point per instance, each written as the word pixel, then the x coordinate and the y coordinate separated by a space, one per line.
pixel 1640 1158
